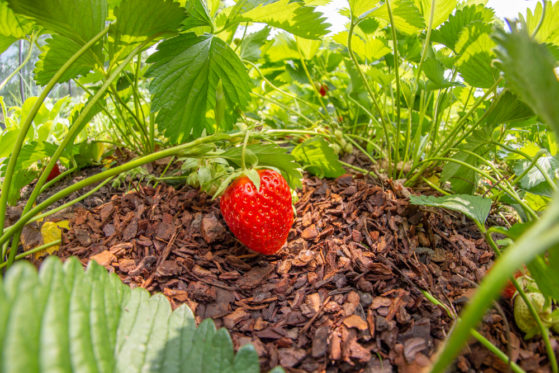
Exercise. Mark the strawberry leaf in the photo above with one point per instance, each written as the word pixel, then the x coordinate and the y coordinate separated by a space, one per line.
pixel 253 176
pixel 475 207
pixel 318 158
pixel 185 71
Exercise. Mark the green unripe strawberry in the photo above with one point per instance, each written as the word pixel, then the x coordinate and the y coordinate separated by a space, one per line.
pixel 523 317
pixel 339 135
pixel 336 148
pixel 348 148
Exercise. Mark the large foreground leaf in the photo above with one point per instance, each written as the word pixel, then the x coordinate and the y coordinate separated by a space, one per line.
pixel 186 71
pixel 64 319
pixel 529 69
pixel 318 158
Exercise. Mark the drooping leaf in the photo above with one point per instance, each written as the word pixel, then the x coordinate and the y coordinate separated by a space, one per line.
pixel 51 231
pixel 65 319
pixel 270 155
pixel 475 207
pixel 318 158
pixel 186 70
pixel 529 70
pixel 137 19
pixel 534 181
pixel 293 17
pixel 508 109
pixel 475 61
pixel 251 44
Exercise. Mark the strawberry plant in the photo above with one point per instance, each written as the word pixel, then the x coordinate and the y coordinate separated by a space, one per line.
pixel 435 95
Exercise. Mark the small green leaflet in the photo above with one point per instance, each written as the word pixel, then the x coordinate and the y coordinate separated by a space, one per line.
pixel 137 19
pixel 12 28
pixel 529 70
pixel 251 44
pixel 186 70
pixel 475 207
pixel 95 322
pixel 290 16
pixel 270 155
pixel 407 17
pixel 318 158
pixel 549 29
pixel 199 15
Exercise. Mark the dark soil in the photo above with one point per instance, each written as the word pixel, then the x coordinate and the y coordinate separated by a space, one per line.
pixel 344 294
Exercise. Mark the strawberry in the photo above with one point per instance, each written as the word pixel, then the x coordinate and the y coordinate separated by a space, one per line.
pixel 509 290
pixel 323 90
pixel 54 172
pixel 260 219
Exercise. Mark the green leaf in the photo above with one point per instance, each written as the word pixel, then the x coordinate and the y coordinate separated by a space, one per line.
pixel 186 70
pixel 57 52
pixel 366 47
pixel 11 26
pixel 475 207
pixel 79 20
pixel 318 158
pixel 529 70
pixel 358 8
pixel 293 17
pixel 508 109
pixel 442 10
pixel 251 44
pixel 270 155
pixel 407 17
pixel 65 319
pixel 534 181
pixel 198 14
pixel 138 19
pixel 449 33
pixel 549 29
pixel 544 270
pixel 253 176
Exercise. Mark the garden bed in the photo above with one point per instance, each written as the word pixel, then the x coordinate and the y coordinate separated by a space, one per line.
pixel 344 294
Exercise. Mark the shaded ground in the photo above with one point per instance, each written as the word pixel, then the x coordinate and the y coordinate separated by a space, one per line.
pixel 342 295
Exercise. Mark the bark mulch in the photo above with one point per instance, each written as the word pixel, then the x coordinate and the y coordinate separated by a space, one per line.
pixel 344 294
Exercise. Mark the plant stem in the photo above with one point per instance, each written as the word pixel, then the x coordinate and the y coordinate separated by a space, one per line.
pixel 540 237
pixel 25 218
pixel 22 65
pixel 370 92
pixel 33 251
pixel 397 77
pixel 29 119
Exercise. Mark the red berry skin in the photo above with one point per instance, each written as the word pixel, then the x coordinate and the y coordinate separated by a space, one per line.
pixel 54 172
pixel 323 90
pixel 260 219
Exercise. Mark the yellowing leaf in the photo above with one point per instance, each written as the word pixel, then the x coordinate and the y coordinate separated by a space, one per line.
pixel 51 231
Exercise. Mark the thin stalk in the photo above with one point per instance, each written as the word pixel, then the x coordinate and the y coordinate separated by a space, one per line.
pixel 285 107
pixel 23 63
pixel 295 97
pixel 33 251
pixel 540 237
pixel 481 339
pixel 243 150
pixel 314 87
pixel 369 91
pixel 26 217
pixel 58 178
pixel 521 153
pixel 397 77
pixel 72 202
pixel 540 23
pixel 29 119
pixel 442 191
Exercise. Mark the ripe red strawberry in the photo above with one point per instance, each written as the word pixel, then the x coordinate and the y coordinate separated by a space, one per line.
pixel 54 172
pixel 323 90
pixel 260 219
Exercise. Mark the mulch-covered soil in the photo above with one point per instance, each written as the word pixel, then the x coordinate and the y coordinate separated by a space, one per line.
pixel 344 294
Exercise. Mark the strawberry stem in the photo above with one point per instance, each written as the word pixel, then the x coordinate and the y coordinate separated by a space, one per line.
pixel 243 151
